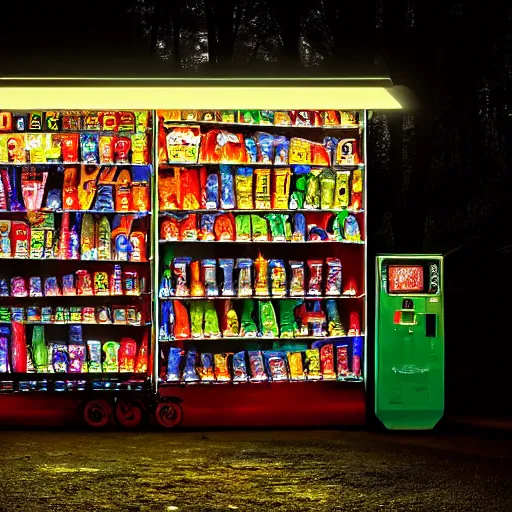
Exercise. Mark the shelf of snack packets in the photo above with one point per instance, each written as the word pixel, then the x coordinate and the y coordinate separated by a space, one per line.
pixel 344 227
pixel 248 318
pixel 74 356
pixel 337 360
pixel 81 283
pixel 182 144
pixel 115 315
pixel 72 137
pixel 118 189
pixel 298 118
pixel 88 237
pixel 232 187
pixel 244 277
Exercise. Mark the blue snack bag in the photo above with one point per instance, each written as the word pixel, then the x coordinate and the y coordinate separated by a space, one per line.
pixel 190 371
pixel 4 288
pixel 174 364
pixel 227 188
pixel 206 371
pixel 89 145
pixel 228 286
pixel 299 228
pixel 207 226
pixel 212 192
pixel 252 150
pixel 265 144
pixel 282 148
pixel 240 367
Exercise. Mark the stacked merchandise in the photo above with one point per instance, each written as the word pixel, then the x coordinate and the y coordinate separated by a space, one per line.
pixel 77 237
pixel 186 277
pixel 76 355
pixel 323 361
pixel 273 227
pixel 285 318
pixel 222 180
pixel 75 187
pixel 75 137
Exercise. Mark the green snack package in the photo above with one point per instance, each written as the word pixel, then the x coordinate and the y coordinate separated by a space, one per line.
pixel 243 227
pixel 327 185
pixel 247 324
pixel 288 230
pixel 211 321
pixel 230 325
pixel 197 318
pixel 277 227
pixel 287 325
pixel 312 199
pixel 268 320
pixel 338 225
pixel 39 349
pixel 259 228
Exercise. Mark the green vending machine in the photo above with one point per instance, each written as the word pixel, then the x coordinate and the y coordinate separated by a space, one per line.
pixel 409 341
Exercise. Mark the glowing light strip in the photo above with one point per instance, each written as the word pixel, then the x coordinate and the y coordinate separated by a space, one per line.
pixel 196 98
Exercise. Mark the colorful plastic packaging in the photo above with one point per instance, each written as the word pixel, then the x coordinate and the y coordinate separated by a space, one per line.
pixel 209 273
pixel 181 327
pixel 174 364
pixel 221 364
pixel 356 190
pixel 299 228
pixel 295 365
pixel 228 286
pixel 230 324
pixel 68 285
pixel 327 362
pixel 334 325
pixel 206 371
pixel 333 284
pixel 275 363
pixel 268 320
pixel 60 357
pixel 259 228
pixel 347 152
pixel 257 366
pixel 313 364
pixel 207 227
pixel 357 356
pixel 262 194
pixel 197 288
pixel 84 283
pixel 252 150
pixel 77 357
pixel 277 270
pixel 342 189
pixel 327 186
pixel 277 226
pixel 313 191
pixel 282 148
pixel 244 187
pixel 240 367
pixel 227 188
pixel 190 371
pixel 224 227
pixel 51 287
pixel 18 287
pixel 100 283
pixel 243 227
pixel 342 369
pixel 351 229
pixel 287 324
pixel 212 192
pixel 211 321
pixel 244 266
pixel 248 327
pixel 281 179
pixel 261 281
pixel 315 280
pixel 180 276
pixel 197 318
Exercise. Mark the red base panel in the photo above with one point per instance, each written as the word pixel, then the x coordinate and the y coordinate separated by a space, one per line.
pixel 40 410
pixel 284 404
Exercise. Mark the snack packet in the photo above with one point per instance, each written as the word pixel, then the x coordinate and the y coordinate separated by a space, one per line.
pixel 257 366
pixel 240 367
pixel 275 363
pixel 268 320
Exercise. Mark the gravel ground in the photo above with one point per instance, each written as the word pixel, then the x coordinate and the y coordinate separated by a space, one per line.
pixel 253 470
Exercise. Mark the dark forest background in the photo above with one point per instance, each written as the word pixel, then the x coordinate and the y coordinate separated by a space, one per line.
pixel 438 177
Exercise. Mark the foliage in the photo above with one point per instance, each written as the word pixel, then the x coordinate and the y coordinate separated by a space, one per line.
pixel 439 176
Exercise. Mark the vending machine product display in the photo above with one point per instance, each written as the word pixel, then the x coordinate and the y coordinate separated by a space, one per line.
pixel 75 281
pixel 261 262
pixel 196 249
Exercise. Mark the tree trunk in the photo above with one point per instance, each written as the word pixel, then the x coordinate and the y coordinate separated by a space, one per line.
pixel 211 28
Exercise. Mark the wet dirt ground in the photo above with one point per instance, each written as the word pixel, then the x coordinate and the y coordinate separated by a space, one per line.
pixel 253 471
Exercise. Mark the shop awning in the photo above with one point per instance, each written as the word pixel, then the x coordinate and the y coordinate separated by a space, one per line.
pixel 76 93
